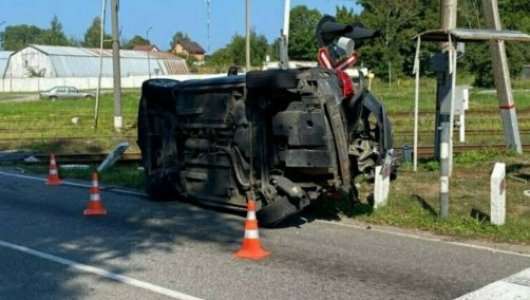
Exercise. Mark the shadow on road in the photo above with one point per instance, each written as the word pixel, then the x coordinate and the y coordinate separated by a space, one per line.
pixel 50 219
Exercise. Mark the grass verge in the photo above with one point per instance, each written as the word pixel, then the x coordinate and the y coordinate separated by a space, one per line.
pixel 414 199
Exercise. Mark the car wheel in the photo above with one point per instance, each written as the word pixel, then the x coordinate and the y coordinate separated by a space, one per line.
pixel 159 188
pixel 275 212
pixel 272 79
pixel 53 98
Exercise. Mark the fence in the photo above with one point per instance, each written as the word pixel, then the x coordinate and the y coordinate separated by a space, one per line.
pixel 36 84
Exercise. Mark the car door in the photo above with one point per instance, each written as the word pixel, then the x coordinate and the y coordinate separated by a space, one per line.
pixel 72 92
pixel 62 92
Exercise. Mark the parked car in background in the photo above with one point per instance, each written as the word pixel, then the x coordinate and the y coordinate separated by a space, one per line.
pixel 69 92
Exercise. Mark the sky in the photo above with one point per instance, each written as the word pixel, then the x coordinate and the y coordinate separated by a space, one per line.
pixel 227 17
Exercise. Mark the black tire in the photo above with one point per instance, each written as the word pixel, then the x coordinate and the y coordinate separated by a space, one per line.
pixel 159 188
pixel 272 79
pixel 53 98
pixel 275 212
pixel 143 134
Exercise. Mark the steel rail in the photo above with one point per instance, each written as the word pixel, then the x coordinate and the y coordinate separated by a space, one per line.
pixel 423 152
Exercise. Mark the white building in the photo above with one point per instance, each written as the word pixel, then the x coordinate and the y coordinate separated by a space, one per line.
pixel 4 59
pixel 59 61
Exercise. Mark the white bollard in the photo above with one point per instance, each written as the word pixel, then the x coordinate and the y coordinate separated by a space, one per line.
pixel 465 106
pixel 381 185
pixel 498 194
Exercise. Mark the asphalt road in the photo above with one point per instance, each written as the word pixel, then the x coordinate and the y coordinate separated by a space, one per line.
pixel 165 248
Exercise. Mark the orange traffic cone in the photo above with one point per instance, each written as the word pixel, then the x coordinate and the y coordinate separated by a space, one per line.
pixel 95 205
pixel 251 247
pixel 53 177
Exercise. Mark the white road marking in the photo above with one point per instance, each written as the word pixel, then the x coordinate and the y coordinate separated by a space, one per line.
pixel 69 183
pixel 515 287
pixel 437 240
pixel 101 272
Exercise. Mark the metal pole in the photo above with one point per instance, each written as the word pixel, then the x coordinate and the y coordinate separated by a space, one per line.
pixel 447 21
pixel 118 121
pixel 416 102
pixel 208 23
pixel 247 26
pixel 284 38
pixel 444 105
pixel 286 20
pixel 101 39
pixel 501 75
pixel 148 50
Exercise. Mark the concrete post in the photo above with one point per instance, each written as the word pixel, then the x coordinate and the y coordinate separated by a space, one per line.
pixel 501 75
pixel 247 34
pixel 116 69
pixel 498 195
pixel 381 186
pixel 465 104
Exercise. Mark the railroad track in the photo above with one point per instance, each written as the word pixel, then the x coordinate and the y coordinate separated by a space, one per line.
pixel 484 112
pixel 471 132
pixel 134 157
pixel 89 157
pixel 428 151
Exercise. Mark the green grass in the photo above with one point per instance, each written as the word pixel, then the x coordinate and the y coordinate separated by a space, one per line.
pixel 46 126
pixel 414 200
pixel 401 99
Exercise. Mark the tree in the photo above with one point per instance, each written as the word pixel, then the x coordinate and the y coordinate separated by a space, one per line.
pixel 93 35
pixel 136 41
pixel 55 35
pixel 477 59
pixel 20 36
pixel 274 50
pixel 346 16
pixel 302 41
pixel 235 54
pixel 178 36
pixel 220 60
pixel 397 20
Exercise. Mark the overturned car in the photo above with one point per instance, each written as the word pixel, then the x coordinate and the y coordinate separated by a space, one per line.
pixel 289 136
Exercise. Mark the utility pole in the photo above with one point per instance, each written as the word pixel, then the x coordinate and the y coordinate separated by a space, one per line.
pixel 208 24
pixel 148 50
pixel 502 79
pixel 445 66
pixel 118 121
pixel 286 20
pixel 247 29
pixel 101 40
pixel 284 38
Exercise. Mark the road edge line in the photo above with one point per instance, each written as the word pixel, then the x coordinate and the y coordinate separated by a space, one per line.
pixel 74 184
pixel 438 240
pixel 101 272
